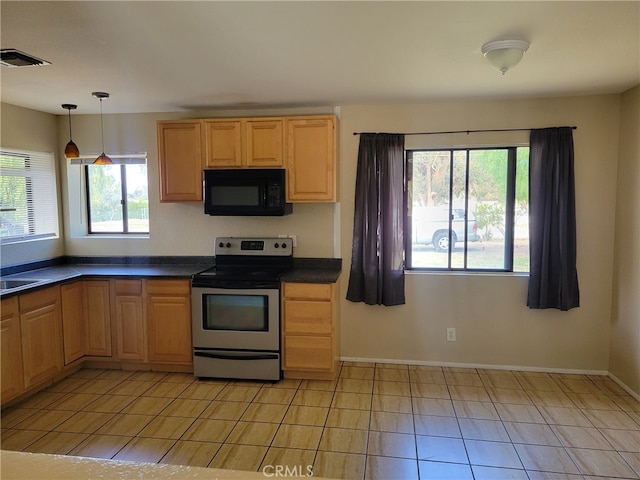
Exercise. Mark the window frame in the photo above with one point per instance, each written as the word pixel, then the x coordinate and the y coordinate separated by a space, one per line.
pixel 36 165
pixel 122 161
pixel 510 206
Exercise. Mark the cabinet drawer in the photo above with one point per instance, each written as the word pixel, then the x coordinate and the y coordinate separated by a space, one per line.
pixel 168 287
pixel 307 317
pixel 311 291
pixel 127 287
pixel 47 296
pixel 307 353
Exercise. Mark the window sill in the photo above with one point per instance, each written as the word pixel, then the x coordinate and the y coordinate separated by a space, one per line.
pixel 118 236
pixel 456 273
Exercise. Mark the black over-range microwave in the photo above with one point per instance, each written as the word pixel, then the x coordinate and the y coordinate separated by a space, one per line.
pixel 245 192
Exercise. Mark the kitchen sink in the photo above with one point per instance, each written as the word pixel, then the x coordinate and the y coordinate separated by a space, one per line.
pixel 9 284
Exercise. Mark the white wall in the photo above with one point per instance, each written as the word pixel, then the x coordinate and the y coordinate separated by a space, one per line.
pixel 24 129
pixel 624 361
pixel 494 326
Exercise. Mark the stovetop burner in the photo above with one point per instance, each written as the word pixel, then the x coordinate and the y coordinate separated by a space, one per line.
pixel 247 260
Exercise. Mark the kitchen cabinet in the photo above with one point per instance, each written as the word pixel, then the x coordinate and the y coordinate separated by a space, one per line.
pixel 168 306
pixel 180 160
pixel 243 142
pixel 41 334
pixel 310 335
pixel 97 318
pixel 311 159
pixel 73 334
pixel 12 380
pixel 128 314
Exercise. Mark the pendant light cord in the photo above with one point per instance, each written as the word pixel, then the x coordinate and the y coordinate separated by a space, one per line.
pixel 101 126
pixel 70 138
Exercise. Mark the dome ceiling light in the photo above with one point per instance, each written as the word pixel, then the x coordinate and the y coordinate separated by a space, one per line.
pixel 505 54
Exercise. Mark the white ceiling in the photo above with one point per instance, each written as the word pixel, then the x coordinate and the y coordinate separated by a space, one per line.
pixel 160 56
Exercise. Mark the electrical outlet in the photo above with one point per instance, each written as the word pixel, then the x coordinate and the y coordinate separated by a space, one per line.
pixel 294 239
pixel 451 334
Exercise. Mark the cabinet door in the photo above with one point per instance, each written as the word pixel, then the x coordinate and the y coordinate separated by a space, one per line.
pixel 129 319
pixel 41 330
pixel 264 146
pixel 302 352
pixel 97 314
pixel 311 159
pixel 72 321
pixel 180 161
pixel 12 381
pixel 223 143
pixel 169 326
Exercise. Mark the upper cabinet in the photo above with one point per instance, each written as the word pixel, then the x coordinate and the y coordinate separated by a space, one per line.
pixel 311 159
pixel 305 146
pixel 180 159
pixel 240 142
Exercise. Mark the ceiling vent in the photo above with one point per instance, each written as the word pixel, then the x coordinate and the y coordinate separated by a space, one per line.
pixel 10 57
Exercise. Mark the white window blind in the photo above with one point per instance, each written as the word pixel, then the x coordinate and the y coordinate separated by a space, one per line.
pixel 28 196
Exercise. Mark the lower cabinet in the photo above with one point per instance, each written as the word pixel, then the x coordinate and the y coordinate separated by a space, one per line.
pixel 97 318
pixel 168 304
pixel 41 334
pixel 129 319
pixel 310 336
pixel 73 337
pixel 12 380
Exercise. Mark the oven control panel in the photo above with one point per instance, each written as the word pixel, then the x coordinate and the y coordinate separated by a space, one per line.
pixel 253 246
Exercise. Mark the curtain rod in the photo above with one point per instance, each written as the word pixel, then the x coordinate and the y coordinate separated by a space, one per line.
pixel 462 131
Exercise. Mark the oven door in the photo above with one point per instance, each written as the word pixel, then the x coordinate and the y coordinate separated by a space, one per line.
pixel 236 318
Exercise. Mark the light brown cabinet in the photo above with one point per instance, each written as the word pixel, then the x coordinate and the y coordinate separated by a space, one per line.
pixel 168 305
pixel 180 160
pixel 12 379
pixel 73 331
pixel 41 334
pixel 128 318
pixel 97 318
pixel 243 142
pixel 305 146
pixel 310 335
pixel 311 159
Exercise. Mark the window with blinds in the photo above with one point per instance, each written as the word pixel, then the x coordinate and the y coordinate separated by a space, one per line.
pixel 28 196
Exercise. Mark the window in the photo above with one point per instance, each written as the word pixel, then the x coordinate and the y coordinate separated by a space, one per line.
pixel 468 209
pixel 28 196
pixel 117 196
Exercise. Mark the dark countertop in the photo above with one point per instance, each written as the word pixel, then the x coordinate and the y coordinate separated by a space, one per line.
pixel 305 270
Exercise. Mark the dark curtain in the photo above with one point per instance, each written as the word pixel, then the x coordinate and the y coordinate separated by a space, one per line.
pixel 377 260
pixel 553 277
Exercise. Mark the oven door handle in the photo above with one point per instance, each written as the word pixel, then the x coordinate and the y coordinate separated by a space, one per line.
pixel 223 356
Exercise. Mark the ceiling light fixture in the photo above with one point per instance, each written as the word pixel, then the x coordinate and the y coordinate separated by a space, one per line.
pixel 71 150
pixel 102 159
pixel 505 54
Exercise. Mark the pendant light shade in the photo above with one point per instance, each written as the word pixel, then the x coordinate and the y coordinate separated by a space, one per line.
pixel 102 159
pixel 504 54
pixel 71 150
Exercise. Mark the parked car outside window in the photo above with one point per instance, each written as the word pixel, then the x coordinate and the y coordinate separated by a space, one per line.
pixel 431 226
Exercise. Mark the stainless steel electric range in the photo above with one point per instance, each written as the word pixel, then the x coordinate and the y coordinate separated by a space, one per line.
pixel 236 309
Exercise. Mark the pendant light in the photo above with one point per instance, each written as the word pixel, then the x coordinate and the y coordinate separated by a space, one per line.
pixel 102 159
pixel 71 150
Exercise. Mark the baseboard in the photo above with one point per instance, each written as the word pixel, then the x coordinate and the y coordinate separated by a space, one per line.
pixel 624 386
pixel 478 365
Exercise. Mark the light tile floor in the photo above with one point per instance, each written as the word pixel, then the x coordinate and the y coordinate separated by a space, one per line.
pixel 376 421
